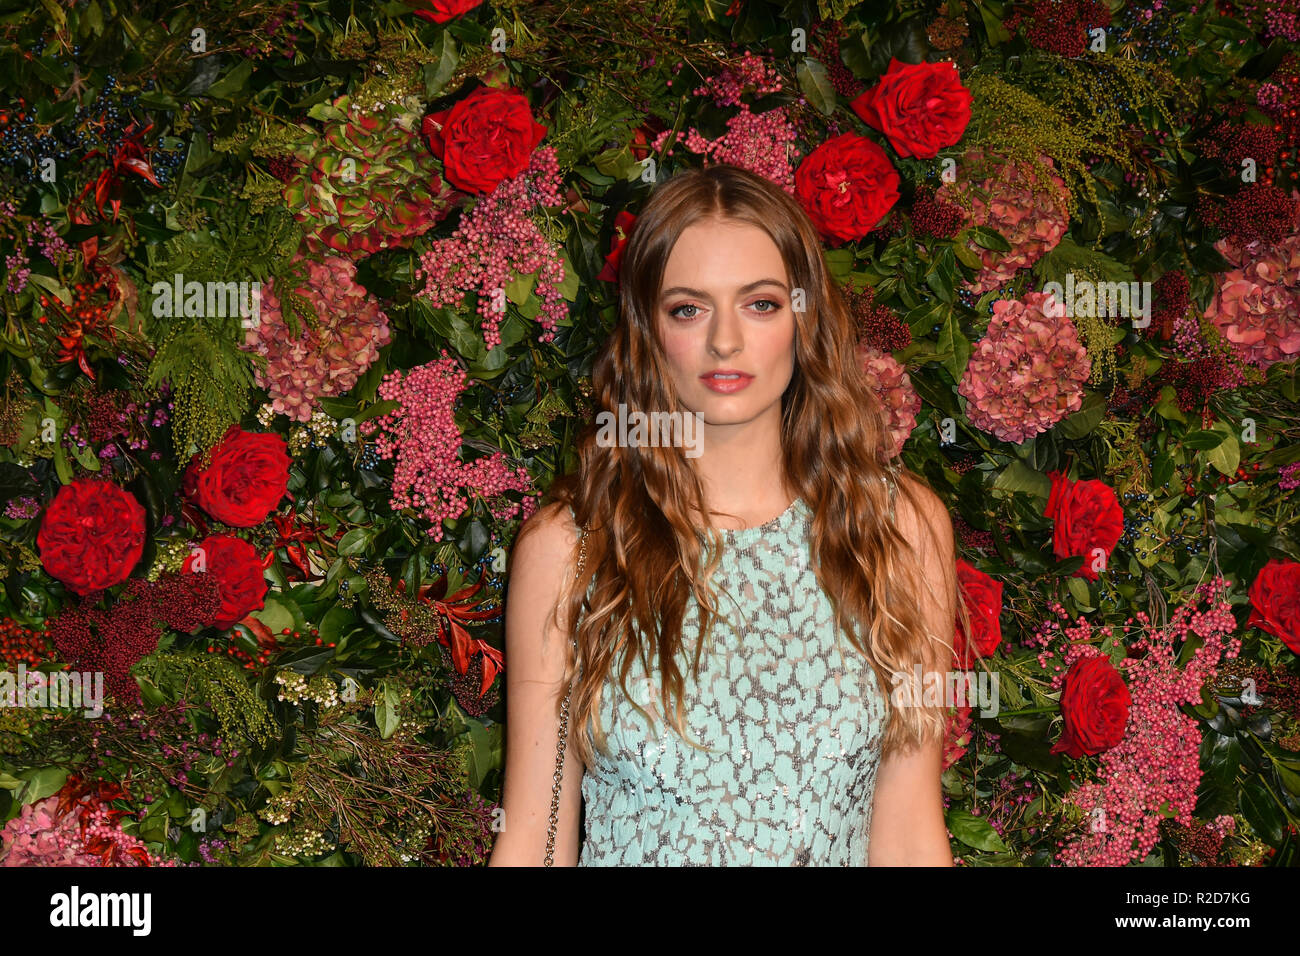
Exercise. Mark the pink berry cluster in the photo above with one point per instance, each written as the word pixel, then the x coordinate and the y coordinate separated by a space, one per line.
pixel 1156 767
pixel 497 240
pixel 422 436
pixel 749 72
pixel 1289 476
pixel 323 360
pixel 762 143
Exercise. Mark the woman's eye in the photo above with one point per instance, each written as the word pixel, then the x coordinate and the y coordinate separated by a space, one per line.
pixel 773 306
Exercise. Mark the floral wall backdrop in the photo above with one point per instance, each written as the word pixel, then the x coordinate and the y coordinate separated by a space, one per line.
pixel 300 307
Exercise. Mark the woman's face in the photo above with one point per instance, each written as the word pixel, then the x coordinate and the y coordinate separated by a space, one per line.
pixel 725 307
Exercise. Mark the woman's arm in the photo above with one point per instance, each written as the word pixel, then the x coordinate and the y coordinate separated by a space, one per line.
pixel 907 822
pixel 540 565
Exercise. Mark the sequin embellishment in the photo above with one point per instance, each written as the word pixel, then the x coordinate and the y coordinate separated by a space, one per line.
pixel 793 718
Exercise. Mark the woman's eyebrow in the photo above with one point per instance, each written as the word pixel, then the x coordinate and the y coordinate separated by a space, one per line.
pixel 749 287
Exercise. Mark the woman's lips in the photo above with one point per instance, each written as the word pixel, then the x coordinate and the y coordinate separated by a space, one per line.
pixel 725 384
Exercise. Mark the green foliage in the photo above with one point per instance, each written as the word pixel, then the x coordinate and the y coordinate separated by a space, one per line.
pixel 218 685
pixel 360 742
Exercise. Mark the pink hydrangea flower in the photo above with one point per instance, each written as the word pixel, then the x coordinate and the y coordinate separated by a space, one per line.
pixel 325 360
pixel 41 836
pixel 1256 306
pixel 1027 373
pixel 1013 203
pixel 892 385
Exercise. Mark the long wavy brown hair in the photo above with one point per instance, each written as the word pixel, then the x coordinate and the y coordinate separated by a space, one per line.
pixel 643 551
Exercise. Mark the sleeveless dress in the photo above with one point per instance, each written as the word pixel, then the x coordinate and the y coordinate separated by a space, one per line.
pixel 791 712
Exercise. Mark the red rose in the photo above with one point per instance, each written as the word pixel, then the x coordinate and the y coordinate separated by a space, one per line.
pixel 622 229
pixel 846 184
pixel 1087 517
pixel 92 535
pixel 485 138
pixel 440 11
pixel 1095 706
pixel 920 107
pixel 246 479
pixel 238 572
pixel 983 597
pixel 1275 602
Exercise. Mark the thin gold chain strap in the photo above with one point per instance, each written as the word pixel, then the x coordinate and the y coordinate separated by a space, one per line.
pixel 563 734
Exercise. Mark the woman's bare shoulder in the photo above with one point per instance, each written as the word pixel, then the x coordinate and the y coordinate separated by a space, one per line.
pixel 921 515
pixel 545 543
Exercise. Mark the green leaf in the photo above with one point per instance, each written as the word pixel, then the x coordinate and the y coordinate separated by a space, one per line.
pixel 839 262
pixel 974 831
pixel 922 319
pixel 955 346
pixel 1262 812
pixel 376 409
pixel 85 455
pixel 355 541
pixel 1068 257
pixel 1227 456
pixel 1162 469
pixel 942 274
pixel 967 257
pixel 62 466
pixel 158 100
pixel 1290 779
pixel 150 693
pixel 41 783
pixel 57 14
pixel 1221 757
pixel 1019 477
pixel 276 615
pixel 327 111
pixel 520 287
pixel 988 238
pixel 437 74
pixel 1079 591
pixel 49 70
pixel 1034 751
pixel 233 82
pixel 997 33
pixel 815 82
pixel 568 288
pixel 387 718
pixel 52 286
pixel 1167 406
pixel 1290 380
pixel 485 752
pixel 1086 418
pixel 1203 440
pixel 92 21
pixel 335 624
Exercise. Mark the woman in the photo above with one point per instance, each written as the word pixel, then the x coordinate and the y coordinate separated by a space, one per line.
pixel 767 588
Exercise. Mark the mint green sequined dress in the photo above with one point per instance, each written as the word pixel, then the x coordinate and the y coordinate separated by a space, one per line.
pixel 794 720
